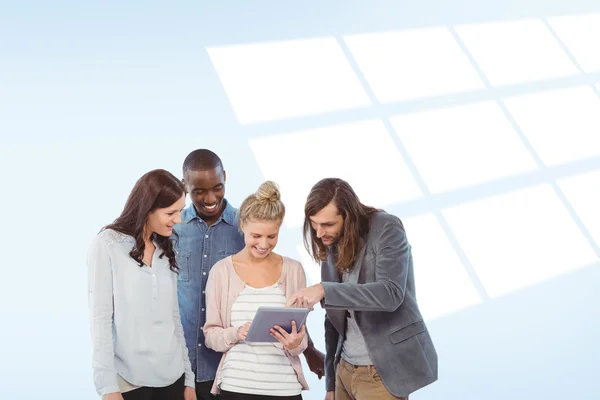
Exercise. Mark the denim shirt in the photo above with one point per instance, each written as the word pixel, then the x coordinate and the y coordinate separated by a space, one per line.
pixel 199 247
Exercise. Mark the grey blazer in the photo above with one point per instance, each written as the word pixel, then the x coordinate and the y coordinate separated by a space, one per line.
pixel 385 308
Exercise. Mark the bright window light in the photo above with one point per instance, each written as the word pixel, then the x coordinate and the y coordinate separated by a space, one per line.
pixel 413 63
pixel 519 239
pixel 277 80
pixel 562 125
pixel 580 34
pixel 583 192
pixel 362 153
pixel 516 51
pixel 442 284
pixel 461 146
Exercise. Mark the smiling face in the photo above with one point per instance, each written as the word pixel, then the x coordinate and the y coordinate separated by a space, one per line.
pixel 328 224
pixel 261 237
pixel 207 192
pixel 162 220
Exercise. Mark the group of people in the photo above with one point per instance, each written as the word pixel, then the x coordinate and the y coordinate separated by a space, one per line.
pixel 173 291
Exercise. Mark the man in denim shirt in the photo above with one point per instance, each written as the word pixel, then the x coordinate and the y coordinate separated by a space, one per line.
pixel 208 232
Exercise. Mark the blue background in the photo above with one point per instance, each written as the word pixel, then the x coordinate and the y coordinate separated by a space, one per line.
pixel 92 95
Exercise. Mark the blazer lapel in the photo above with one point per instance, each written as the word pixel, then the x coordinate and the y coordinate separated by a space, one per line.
pixel 355 275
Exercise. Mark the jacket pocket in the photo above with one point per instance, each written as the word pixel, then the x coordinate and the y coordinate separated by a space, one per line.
pixel 183 262
pixel 406 332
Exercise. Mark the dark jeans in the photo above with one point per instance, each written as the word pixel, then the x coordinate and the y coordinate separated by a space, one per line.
pixel 243 396
pixel 171 392
pixel 203 391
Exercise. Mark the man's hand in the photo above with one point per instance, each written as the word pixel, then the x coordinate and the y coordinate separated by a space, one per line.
pixel 289 340
pixel 330 395
pixel 112 396
pixel 242 331
pixel 315 360
pixel 189 393
pixel 307 297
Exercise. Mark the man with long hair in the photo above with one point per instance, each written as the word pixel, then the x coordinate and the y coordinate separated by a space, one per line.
pixel 377 345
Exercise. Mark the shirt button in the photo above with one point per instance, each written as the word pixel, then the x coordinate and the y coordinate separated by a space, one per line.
pixel 199 345
pixel 204 273
pixel 205 256
pixel 203 292
pixel 203 309
pixel 206 236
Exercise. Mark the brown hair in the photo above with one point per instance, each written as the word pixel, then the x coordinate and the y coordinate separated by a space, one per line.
pixel 264 205
pixel 355 215
pixel 155 189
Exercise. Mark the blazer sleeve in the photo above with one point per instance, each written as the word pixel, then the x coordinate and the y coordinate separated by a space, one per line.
pixel 391 271
pixel 217 335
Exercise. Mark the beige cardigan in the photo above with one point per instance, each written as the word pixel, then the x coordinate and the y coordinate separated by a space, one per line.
pixel 223 287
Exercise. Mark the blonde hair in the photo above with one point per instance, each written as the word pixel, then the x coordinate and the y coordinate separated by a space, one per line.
pixel 264 205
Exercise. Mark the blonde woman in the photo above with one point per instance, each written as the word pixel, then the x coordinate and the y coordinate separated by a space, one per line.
pixel 237 285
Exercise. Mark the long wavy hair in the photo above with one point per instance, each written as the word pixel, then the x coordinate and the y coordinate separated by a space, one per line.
pixel 355 216
pixel 155 189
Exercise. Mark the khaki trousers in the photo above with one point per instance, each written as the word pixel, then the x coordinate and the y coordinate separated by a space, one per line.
pixel 360 382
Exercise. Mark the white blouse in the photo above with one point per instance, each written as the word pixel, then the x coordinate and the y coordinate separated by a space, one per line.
pixel 135 324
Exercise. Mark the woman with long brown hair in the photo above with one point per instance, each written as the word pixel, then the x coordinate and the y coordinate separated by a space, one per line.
pixel 139 351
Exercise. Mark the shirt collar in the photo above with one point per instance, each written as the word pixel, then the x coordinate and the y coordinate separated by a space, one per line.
pixel 228 215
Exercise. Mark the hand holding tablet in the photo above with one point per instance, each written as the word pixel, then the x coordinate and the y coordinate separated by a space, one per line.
pixel 268 317
pixel 242 331
pixel 289 340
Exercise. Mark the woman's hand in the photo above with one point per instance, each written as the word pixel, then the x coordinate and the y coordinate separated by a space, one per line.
pixel 289 340
pixel 242 331
pixel 113 396
pixel 189 393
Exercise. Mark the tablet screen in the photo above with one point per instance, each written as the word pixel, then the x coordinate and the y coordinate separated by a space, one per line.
pixel 267 317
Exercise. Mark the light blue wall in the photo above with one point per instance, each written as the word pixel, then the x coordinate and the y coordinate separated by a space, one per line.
pixel 502 216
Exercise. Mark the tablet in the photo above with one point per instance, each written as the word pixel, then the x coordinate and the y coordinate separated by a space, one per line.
pixel 267 317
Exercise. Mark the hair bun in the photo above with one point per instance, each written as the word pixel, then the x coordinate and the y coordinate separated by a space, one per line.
pixel 268 191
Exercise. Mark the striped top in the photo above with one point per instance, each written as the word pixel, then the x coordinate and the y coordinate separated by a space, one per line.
pixel 222 289
pixel 258 368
